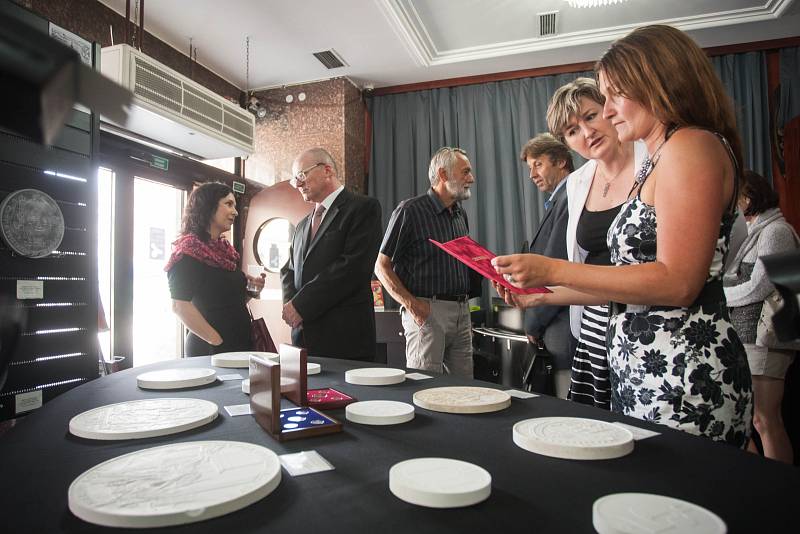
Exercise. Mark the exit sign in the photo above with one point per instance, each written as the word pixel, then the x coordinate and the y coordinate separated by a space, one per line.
pixel 160 163
pixel 238 187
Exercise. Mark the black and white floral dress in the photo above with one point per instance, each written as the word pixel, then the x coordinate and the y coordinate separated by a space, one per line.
pixel 681 367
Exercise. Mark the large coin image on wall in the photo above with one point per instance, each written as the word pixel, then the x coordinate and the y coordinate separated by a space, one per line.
pixel 31 223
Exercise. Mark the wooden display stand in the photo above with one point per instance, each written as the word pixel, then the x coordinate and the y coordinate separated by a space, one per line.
pixel 265 398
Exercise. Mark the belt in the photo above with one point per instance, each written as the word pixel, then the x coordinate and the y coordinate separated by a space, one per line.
pixel 453 298
pixel 712 293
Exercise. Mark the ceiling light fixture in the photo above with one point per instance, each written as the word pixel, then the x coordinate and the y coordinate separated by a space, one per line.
pixel 254 104
pixel 255 107
pixel 593 3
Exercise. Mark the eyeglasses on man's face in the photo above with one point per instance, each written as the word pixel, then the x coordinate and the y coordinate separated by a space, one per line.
pixel 301 176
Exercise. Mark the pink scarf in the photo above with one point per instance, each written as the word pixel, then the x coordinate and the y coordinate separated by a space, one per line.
pixel 216 253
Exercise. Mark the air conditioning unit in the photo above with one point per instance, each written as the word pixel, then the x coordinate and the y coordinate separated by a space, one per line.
pixel 172 109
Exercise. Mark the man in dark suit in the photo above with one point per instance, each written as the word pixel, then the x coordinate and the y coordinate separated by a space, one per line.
pixel 326 282
pixel 550 162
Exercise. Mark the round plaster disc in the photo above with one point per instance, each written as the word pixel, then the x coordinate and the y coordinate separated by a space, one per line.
pixel 285 382
pixel 144 418
pixel 379 412
pixel 573 438
pixel 239 360
pixel 184 377
pixel 624 513
pixel 439 482
pixel 31 223
pixel 313 368
pixel 374 376
pixel 175 484
pixel 462 399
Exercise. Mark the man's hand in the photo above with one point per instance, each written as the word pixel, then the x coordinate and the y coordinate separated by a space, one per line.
pixel 290 315
pixel 420 310
pixel 535 341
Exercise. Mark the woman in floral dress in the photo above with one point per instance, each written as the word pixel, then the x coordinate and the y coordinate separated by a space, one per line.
pixel 674 357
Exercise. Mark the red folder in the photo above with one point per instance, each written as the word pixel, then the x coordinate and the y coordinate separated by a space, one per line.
pixel 479 259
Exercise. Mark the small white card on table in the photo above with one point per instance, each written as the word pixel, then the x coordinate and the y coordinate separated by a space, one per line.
pixel 305 463
pixel 230 377
pixel 521 394
pixel 238 409
pixel 417 376
pixel 638 433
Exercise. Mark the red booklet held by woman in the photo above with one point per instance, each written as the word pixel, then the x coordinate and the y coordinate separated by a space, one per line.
pixel 478 258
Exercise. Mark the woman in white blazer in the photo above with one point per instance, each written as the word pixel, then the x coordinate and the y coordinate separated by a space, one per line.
pixel 595 193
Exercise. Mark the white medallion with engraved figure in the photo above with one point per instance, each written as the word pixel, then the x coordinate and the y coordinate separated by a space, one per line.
pixel 144 418
pixel 175 484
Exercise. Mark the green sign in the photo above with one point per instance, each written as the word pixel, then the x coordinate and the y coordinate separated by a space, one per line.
pixel 238 187
pixel 160 163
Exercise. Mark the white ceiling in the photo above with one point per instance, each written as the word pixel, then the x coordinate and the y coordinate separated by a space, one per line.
pixel 393 42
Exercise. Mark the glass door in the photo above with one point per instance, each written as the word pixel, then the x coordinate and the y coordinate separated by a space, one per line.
pixel 157 332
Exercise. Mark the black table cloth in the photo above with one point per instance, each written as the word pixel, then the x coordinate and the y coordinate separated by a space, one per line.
pixel 530 493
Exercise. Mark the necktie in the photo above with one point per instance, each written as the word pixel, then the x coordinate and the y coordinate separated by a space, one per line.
pixel 548 203
pixel 317 219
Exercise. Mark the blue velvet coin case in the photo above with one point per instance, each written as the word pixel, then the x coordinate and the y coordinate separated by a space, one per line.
pixel 296 419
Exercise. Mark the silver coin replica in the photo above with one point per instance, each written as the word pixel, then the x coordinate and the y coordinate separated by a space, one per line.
pixel 31 223
pixel 175 484
pixel 573 438
pixel 624 513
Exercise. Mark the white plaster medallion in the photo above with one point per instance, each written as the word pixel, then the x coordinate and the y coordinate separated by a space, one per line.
pixel 462 399
pixel 239 360
pixel 379 412
pixel 573 438
pixel 144 418
pixel 182 377
pixel 375 376
pixel 313 368
pixel 175 484
pixel 628 513
pixel 439 482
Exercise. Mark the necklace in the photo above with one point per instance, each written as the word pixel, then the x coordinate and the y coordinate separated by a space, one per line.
pixel 607 185
pixel 650 161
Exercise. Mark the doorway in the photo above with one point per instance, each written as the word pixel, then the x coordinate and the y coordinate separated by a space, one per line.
pixel 157 332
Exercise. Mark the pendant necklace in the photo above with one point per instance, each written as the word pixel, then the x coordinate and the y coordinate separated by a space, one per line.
pixel 607 185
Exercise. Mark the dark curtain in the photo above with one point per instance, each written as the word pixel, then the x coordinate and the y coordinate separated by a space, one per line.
pixel 492 122
pixel 789 97
pixel 745 78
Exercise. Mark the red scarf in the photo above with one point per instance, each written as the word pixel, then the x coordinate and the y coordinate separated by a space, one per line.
pixel 216 253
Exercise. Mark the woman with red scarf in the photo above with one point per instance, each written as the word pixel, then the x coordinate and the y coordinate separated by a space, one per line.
pixel 209 292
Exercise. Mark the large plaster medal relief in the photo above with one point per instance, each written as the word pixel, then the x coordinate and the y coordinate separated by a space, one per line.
pixel 462 399
pixel 145 418
pixel 573 438
pixel 175 484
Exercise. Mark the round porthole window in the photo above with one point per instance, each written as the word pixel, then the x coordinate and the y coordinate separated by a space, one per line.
pixel 271 244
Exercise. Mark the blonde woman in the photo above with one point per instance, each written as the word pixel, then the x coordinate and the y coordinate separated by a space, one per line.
pixel 596 192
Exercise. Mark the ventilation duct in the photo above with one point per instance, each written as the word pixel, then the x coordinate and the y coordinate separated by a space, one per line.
pixel 176 111
pixel 330 59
